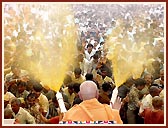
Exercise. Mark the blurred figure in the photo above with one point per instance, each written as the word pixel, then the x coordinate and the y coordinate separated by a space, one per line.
pixel 104 94
pixel 21 115
pixel 160 81
pixel 124 89
pixel 8 113
pixel 43 101
pixel 89 52
pixel 149 80
pixel 21 91
pixel 84 64
pixel 134 101
pixel 8 96
pixel 77 76
pixel 147 100
pixel 155 115
pixel 69 91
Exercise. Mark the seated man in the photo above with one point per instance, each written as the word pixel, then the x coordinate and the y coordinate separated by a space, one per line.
pixel 90 109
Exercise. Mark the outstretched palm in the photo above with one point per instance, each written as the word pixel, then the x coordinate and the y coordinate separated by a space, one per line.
pixel 116 104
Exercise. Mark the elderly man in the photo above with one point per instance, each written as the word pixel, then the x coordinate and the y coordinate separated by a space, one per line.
pixel 90 109
pixel 21 115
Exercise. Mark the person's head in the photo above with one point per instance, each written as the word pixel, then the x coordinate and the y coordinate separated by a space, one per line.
pixel 140 83
pixel 70 89
pixel 104 72
pixel 156 64
pixel 88 90
pixel 21 86
pixel 106 86
pixel 89 47
pixel 89 76
pixel 15 70
pixel 157 102
pixel 77 72
pixel 130 28
pixel 80 57
pixel 31 99
pixel 162 74
pixel 154 91
pixel 95 43
pixel 76 87
pixel 95 57
pixel 37 88
pixel 148 78
pixel 129 82
pixel 67 79
pixel 8 113
pixel 15 105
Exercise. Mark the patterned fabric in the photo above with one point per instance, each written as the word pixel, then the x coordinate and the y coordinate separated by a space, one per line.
pixel 87 122
pixel 145 90
pixel 133 98
pixel 34 111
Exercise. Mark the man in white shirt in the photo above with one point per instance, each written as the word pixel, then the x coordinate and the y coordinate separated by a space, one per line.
pixel 147 100
pixel 84 64
pixel 89 52
pixel 21 115
pixel 43 101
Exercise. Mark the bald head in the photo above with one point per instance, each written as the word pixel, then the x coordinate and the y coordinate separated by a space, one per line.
pixel 88 90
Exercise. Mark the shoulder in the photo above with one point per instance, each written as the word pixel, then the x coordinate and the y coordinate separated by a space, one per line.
pixel 9 94
pixel 71 113
pixel 22 110
pixel 42 97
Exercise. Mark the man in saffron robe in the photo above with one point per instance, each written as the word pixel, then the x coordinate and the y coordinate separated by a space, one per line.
pixel 91 109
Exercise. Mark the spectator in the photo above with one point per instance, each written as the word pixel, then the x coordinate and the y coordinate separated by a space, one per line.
pixel 89 52
pixel 156 115
pixel 43 101
pixel 77 77
pixel 160 81
pixel 104 95
pixel 69 91
pixel 8 113
pixel 21 115
pixel 147 100
pixel 134 101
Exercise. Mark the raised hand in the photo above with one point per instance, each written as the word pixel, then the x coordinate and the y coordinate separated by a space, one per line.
pixel 117 103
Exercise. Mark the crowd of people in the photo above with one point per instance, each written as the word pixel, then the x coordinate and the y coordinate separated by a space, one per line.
pixel 89 82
